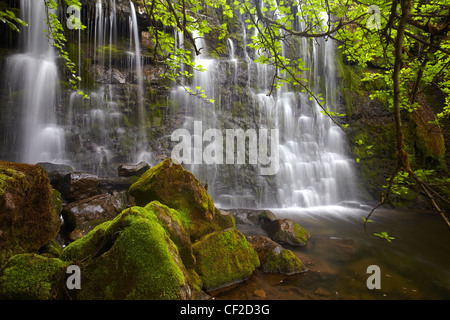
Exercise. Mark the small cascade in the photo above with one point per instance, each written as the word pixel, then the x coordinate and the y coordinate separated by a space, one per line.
pixel 143 153
pixel 34 74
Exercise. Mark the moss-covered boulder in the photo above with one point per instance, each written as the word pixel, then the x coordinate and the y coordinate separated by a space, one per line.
pixel 170 184
pixel 274 258
pixel 32 277
pixel 223 258
pixel 27 212
pixel 130 257
pixel 287 231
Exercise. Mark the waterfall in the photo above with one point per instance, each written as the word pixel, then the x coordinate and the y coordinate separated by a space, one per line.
pixel 33 74
pixel 143 154
pixel 112 126
pixel 315 169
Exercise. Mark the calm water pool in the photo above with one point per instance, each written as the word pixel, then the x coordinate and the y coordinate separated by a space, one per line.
pixel 415 265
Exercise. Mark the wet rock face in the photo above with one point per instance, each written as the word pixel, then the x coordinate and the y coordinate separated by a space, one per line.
pixel 27 213
pixel 79 185
pixel 128 170
pixel 83 215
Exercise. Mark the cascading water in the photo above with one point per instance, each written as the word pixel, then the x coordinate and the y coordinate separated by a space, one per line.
pixel 143 152
pixel 33 74
pixel 315 169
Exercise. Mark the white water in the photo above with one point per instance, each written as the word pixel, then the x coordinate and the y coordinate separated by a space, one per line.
pixel 143 153
pixel 34 74
pixel 315 169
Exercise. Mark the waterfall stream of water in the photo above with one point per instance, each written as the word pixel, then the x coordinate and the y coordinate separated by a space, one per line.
pixel 34 73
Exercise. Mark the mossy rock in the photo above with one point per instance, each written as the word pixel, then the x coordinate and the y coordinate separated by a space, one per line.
pixel 170 184
pixel 287 231
pixel 32 277
pixel 129 257
pixel 28 219
pixel 223 258
pixel 274 258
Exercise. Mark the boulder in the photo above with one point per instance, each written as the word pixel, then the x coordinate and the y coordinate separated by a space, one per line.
pixel 274 258
pixel 286 231
pixel 223 258
pixel 129 170
pixel 85 214
pixel 175 223
pixel 170 184
pixel 27 212
pixel 252 216
pixel 32 277
pixel 130 257
pixel 78 186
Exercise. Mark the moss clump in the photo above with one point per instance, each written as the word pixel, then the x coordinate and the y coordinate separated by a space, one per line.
pixel 130 257
pixel 177 188
pixel 283 262
pixel 32 277
pixel 223 258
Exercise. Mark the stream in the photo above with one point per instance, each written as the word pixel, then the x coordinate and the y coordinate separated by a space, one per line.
pixel 414 265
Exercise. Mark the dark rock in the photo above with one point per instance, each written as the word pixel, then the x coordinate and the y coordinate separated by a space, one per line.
pixel 128 170
pixel 79 185
pixel 252 216
pixel 27 212
pixel 107 184
pixel 85 214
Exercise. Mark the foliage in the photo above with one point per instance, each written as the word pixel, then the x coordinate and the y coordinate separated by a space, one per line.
pixel 8 17
pixel 56 36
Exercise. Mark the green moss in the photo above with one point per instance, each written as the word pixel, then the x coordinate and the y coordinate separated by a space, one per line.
pixel 51 249
pixel 223 258
pixel 30 276
pixel 284 262
pixel 177 188
pixel 130 257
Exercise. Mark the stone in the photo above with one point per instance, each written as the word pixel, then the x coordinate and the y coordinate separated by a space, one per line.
pixel 170 184
pixel 87 213
pixel 286 231
pixel 79 185
pixel 129 257
pixel 129 170
pixel 27 211
pixel 223 258
pixel 274 258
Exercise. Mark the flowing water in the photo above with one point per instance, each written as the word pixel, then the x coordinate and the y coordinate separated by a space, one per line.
pixel 34 73
pixel 314 166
